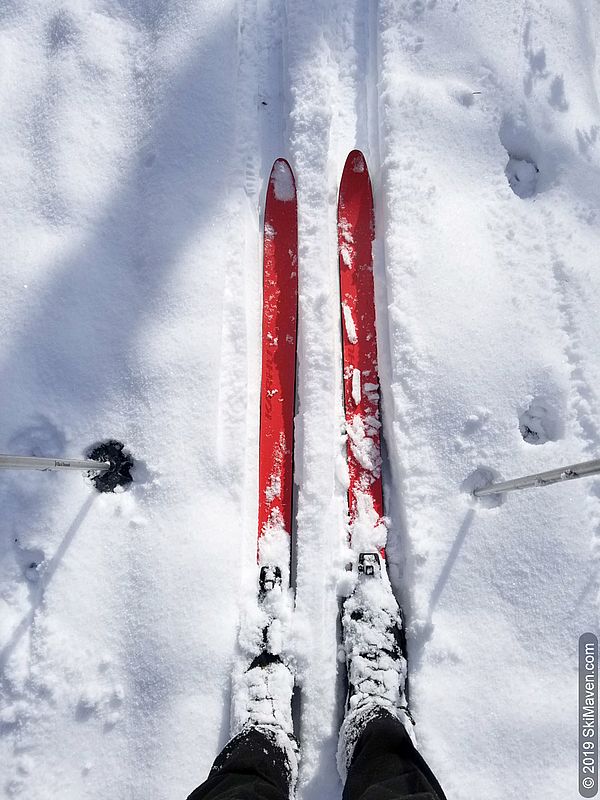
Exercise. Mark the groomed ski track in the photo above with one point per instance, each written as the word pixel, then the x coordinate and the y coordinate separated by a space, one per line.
pixel 138 143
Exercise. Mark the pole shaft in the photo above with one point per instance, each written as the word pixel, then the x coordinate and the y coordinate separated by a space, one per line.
pixel 559 475
pixel 33 462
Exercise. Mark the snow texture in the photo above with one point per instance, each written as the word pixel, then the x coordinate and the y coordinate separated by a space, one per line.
pixel 274 548
pixel 356 392
pixel 360 432
pixel 349 324
pixel 263 696
pixel 522 177
pixel 137 141
pixel 283 182
pixel 273 490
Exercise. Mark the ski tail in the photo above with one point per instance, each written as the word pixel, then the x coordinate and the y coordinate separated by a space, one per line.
pixel 356 231
pixel 278 380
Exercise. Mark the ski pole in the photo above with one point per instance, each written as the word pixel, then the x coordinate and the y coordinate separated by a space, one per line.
pixel 32 462
pixel 569 473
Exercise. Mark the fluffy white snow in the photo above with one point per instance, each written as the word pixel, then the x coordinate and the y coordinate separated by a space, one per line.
pixel 283 183
pixel 137 140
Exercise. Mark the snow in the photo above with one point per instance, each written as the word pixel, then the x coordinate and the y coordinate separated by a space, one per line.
pixel 364 448
pixel 349 324
pixel 356 392
pixel 137 139
pixel 273 490
pixel 263 695
pixel 522 177
pixel 274 545
pixel 283 182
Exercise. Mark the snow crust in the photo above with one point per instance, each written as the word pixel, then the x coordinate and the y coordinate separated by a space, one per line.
pixel 137 141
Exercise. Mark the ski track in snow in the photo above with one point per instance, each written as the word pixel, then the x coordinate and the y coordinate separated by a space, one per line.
pixel 317 428
pixel 429 441
pixel 137 152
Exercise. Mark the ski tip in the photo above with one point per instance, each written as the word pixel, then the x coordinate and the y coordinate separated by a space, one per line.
pixel 281 181
pixel 356 162
pixel 355 189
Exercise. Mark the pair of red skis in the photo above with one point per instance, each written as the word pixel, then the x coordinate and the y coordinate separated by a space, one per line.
pixel 355 230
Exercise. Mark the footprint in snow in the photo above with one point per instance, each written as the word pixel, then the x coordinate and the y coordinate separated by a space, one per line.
pixel 102 702
pixel 40 438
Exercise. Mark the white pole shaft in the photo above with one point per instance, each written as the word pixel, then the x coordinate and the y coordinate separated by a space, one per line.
pixel 559 475
pixel 32 462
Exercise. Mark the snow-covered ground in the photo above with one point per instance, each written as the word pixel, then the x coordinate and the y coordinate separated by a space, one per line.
pixel 136 140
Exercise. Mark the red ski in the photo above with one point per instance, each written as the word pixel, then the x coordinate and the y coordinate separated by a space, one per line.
pixel 278 383
pixel 356 231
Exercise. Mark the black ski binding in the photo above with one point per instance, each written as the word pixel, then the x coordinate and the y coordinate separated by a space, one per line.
pixel 270 577
pixel 369 564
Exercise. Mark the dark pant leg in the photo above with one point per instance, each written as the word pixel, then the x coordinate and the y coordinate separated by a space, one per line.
pixel 387 766
pixel 251 767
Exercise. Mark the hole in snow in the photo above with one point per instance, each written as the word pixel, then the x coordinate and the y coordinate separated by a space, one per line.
pixel 538 423
pixel 466 99
pixel 522 176
pixel 481 477
pixel 121 464
pixel 464 95
pixel 40 438
pixel 32 563
pixel 524 155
